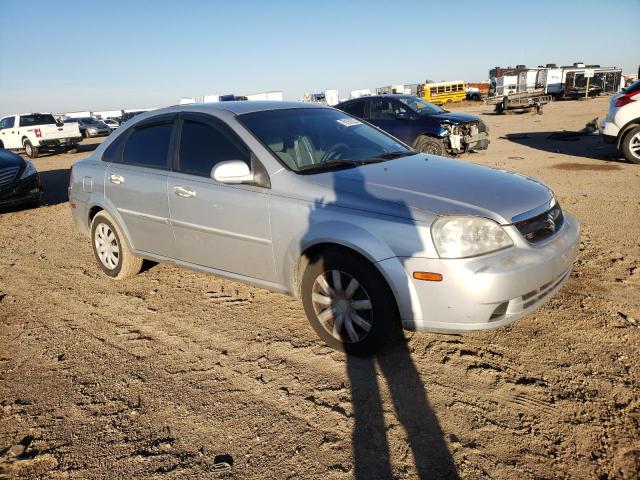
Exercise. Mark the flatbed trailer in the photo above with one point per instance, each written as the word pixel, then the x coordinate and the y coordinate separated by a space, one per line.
pixel 523 101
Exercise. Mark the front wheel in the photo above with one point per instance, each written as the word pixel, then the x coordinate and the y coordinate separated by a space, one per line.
pixel 631 145
pixel 111 251
pixel 432 146
pixel 349 304
pixel 32 152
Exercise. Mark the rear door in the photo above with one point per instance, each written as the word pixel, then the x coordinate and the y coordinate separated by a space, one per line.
pixel 136 183
pixel 224 227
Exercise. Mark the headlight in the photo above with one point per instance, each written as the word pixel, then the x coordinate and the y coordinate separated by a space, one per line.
pixel 461 237
pixel 30 170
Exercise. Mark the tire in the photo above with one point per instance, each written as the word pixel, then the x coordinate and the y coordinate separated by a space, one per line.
pixel 431 146
pixel 120 263
pixel 85 134
pixel 376 321
pixel 32 152
pixel 631 145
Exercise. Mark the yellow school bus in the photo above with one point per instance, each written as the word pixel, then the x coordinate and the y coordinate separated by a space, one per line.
pixel 443 92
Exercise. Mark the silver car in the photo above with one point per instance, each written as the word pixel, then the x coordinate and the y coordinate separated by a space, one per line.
pixel 307 200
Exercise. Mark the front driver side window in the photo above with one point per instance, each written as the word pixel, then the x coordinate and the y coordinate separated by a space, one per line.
pixel 203 146
pixel 385 109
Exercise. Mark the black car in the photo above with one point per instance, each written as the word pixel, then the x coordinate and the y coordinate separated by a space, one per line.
pixel 19 180
pixel 421 124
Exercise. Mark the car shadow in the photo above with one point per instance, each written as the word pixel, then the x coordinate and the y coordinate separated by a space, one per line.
pixel 578 144
pixel 370 444
pixel 54 186
pixel 54 190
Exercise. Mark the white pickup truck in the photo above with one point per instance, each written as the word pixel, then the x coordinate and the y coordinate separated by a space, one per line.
pixel 37 132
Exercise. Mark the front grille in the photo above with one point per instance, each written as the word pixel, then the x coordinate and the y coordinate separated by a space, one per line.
pixel 7 175
pixel 542 226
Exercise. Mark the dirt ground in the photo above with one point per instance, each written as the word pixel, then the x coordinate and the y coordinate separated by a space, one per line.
pixel 176 374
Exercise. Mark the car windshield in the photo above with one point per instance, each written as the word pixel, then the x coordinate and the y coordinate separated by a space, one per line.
pixel 36 119
pixel 420 106
pixel 308 139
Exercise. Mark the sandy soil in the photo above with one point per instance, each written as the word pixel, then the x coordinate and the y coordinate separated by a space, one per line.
pixel 177 374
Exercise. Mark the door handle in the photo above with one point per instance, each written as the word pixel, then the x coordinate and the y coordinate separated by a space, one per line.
pixel 117 179
pixel 184 192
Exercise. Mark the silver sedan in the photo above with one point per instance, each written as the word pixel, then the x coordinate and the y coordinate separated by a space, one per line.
pixel 310 201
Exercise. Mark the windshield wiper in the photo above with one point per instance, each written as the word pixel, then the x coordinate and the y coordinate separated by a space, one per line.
pixel 333 163
pixel 398 154
pixel 356 162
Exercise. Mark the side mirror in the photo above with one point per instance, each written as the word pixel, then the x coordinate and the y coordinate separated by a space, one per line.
pixel 232 171
pixel 403 116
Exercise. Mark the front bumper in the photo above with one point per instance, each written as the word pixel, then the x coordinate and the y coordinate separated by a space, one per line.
pixel 608 130
pixel 27 190
pixel 479 141
pixel 483 292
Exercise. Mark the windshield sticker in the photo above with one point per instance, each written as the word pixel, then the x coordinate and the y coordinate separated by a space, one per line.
pixel 349 122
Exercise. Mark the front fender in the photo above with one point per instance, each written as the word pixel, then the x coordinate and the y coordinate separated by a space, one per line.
pixel 334 232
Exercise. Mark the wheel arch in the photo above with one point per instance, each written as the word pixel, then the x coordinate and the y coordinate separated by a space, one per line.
pixel 626 129
pixel 94 208
pixel 316 249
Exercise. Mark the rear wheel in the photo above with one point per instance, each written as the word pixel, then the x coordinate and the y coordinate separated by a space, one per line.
pixel 32 152
pixel 631 145
pixel 111 251
pixel 349 304
pixel 432 146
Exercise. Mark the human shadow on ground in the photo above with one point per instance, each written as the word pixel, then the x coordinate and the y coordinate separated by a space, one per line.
pixel 370 442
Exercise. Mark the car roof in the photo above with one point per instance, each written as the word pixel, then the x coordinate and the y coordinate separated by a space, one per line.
pixel 382 95
pixel 238 107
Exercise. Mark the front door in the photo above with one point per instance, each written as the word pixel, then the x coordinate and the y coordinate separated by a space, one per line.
pixel 136 183
pixel 224 227
pixel 392 117
pixel 9 133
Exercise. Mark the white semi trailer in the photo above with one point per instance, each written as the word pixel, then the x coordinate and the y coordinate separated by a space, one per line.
pixel 275 95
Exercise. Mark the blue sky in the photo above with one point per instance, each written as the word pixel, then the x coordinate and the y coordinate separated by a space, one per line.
pixel 101 54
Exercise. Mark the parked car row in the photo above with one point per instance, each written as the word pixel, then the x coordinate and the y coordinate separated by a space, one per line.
pixel 37 132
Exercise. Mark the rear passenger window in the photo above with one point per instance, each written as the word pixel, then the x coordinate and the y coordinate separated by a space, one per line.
pixel 202 146
pixel 356 109
pixel 113 153
pixel 148 146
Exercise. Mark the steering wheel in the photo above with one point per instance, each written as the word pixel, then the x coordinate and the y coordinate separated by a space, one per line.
pixel 333 151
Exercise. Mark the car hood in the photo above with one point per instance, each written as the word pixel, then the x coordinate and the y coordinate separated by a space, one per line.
pixel 455 118
pixel 407 186
pixel 10 159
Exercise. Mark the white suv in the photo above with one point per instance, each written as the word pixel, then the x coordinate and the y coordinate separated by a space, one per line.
pixel 622 124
